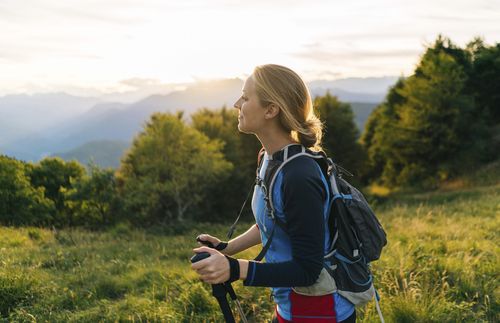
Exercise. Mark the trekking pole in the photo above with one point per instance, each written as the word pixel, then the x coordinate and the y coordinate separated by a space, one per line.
pixel 377 305
pixel 219 291
pixel 233 296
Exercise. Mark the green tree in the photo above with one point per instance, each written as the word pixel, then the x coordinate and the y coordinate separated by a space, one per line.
pixel 438 125
pixel 485 78
pixel 20 203
pixel 378 136
pixel 428 129
pixel 168 168
pixel 56 177
pixel 225 197
pixel 93 200
pixel 340 140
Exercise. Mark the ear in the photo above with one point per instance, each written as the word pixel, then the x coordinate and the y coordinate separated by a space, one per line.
pixel 272 111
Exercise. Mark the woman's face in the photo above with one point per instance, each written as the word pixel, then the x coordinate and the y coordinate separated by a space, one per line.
pixel 251 113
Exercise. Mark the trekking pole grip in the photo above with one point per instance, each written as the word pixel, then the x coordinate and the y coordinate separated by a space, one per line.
pixel 199 256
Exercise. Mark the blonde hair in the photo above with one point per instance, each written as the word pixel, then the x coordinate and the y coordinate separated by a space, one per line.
pixel 281 86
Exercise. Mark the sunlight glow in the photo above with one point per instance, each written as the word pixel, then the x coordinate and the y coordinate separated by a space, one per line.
pixel 54 45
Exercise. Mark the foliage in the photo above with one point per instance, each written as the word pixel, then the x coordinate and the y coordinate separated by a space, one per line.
pixel 340 140
pixel 21 203
pixel 224 197
pixel 429 128
pixel 93 200
pixel 378 136
pixel 56 176
pixel 167 170
pixel 485 78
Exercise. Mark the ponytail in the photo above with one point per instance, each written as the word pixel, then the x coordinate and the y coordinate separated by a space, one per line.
pixel 311 133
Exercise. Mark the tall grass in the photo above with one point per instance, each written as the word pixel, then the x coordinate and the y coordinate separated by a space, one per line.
pixel 441 265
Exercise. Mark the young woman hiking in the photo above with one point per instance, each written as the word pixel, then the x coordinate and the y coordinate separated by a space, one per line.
pixel 276 107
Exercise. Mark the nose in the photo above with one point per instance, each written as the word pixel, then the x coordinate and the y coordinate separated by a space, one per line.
pixel 237 104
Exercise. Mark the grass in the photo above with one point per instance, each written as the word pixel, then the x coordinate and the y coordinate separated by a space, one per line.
pixel 441 265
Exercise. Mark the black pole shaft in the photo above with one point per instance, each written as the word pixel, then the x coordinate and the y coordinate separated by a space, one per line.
pixel 219 292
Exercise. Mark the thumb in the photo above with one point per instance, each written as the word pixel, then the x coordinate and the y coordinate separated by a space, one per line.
pixel 205 249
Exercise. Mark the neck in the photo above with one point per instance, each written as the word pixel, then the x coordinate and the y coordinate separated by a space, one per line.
pixel 273 142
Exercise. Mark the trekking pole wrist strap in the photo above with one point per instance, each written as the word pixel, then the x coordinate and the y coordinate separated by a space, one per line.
pixel 234 269
pixel 221 246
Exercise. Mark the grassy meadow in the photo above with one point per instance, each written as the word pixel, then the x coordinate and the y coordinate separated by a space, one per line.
pixel 441 265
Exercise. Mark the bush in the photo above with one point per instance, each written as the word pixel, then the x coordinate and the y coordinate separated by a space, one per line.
pixel 16 290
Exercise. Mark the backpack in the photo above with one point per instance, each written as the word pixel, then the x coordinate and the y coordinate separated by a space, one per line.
pixel 357 236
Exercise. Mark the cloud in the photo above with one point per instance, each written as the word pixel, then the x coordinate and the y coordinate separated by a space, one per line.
pixel 140 82
pixel 9 55
pixel 321 55
pixel 108 12
pixel 23 52
pixel 97 15
pixel 99 42
pixel 146 85
pixel 456 18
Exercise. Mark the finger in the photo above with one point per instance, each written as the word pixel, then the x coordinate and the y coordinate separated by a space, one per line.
pixel 203 237
pixel 204 262
pixel 202 272
pixel 210 270
pixel 200 265
pixel 218 279
pixel 212 278
pixel 206 278
pixel 205 249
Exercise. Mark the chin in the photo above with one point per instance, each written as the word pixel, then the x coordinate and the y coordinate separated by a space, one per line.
pixel 243 130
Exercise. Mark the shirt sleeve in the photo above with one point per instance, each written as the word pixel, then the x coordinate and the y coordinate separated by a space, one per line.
pixel 303 201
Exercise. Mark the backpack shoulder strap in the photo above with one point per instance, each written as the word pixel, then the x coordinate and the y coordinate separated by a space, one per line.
pixel 289 154
pixel 260 158
pixel 275 164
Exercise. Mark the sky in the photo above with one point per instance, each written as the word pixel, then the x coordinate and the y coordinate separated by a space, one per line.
pixel 90 46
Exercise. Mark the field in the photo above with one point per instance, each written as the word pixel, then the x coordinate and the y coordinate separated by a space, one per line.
pixel 441 265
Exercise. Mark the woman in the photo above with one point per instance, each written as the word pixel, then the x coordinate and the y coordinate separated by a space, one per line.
pixel 276 107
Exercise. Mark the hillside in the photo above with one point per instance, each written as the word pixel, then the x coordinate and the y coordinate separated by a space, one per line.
pixel 27 135
pixel 440 265
pixel 105 153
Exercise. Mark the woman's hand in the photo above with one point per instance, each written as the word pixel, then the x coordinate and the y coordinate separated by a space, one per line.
pixel 214 269
pixel 206 237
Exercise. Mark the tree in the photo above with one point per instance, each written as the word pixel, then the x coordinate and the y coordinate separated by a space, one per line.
pixel 168 168
pixel 20 203
pixel 340 140
pixel 485 78
pixel 93 200
pixel 436 121
pixel 428 128
pixel 56 176
pixel 239 149
pixel 378 136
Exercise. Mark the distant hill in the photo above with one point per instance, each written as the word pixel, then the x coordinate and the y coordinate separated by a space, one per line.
pixel 121 122
pixel 105 153
pixel 21 114
pixel 366 85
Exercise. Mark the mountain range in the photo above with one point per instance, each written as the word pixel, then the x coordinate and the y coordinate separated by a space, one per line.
pixel 40 125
